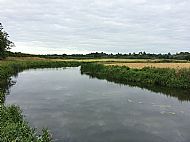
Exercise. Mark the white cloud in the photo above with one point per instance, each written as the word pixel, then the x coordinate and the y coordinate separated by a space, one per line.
pixel 82 26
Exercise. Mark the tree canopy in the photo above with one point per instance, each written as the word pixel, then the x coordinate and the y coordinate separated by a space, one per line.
pixel 5 43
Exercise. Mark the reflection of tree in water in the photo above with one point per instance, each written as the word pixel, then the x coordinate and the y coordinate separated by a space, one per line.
pixel 5 84
pixel 180 94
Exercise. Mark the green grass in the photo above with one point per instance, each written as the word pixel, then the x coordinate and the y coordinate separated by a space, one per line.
pixel 166 77
pixel 15 129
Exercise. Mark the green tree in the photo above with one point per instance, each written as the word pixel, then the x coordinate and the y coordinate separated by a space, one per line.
pixel 5 43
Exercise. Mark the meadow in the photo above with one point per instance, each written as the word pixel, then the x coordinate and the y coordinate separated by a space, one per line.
pixel 155 65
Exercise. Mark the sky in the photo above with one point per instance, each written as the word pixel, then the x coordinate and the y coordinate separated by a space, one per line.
pixel 85 26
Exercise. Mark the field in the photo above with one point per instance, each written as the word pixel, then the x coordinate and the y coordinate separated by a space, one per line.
pixel 156 65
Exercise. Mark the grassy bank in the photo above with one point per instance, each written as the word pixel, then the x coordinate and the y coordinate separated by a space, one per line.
pixel 13 128
pixel 12 125
pixel 166 77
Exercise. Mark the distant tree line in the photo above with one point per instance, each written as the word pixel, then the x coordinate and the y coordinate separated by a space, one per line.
pixel 96 55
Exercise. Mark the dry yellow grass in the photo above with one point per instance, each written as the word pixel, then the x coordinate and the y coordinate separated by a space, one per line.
pixel 157 65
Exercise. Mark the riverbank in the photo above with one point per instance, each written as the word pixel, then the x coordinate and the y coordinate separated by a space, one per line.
pixel 147 76
pixel 13 127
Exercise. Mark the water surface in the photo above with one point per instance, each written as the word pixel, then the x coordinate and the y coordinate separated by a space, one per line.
pixel 76 108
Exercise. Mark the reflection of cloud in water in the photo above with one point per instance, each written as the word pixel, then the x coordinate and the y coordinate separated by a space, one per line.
pixel 60 88
pixel 129 100
pixel 165 109
pixel 162 106
pixel 165 112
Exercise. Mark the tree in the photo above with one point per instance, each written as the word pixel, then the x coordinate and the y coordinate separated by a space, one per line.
pixel 5 43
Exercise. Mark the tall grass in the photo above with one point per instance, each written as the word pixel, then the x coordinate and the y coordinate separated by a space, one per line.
pixel 13 128
pixel 147 76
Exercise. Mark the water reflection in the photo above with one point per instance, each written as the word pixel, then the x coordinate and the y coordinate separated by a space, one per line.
pixel 78 109
pixel 180 94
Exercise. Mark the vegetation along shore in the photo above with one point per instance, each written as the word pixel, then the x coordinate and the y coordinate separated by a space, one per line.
pixel 149 76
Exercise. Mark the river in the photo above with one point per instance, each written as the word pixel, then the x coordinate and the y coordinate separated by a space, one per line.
pixel 78 108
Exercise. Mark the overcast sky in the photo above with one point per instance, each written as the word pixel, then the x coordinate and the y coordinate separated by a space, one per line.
pixel 83 26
